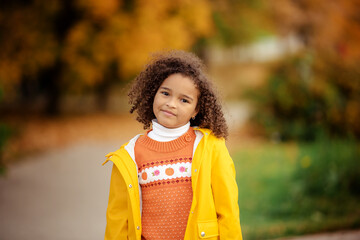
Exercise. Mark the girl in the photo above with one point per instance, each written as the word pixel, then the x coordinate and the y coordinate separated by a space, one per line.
pixel 177 181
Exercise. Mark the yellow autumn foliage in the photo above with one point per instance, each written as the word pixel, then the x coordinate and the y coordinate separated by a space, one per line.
pixel 103 33
pixel 330 27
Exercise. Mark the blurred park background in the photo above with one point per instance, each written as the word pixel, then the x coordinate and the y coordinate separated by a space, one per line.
pixel 288 71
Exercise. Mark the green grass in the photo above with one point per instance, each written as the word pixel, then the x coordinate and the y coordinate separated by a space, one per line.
pixel 271 199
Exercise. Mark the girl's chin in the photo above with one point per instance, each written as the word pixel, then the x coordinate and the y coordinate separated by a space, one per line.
pixel 168 124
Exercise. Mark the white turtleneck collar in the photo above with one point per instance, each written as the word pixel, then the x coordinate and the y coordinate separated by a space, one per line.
pixel 163 134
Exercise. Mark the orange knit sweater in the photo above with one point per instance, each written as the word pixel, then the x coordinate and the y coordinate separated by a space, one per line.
pixel 165 180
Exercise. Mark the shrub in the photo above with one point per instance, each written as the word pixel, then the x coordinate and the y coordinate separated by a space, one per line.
pixel 304 96
pixel 329 168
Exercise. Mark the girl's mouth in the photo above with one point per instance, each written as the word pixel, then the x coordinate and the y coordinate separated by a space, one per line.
pixel 168 113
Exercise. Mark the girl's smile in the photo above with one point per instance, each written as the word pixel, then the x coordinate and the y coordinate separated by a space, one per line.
pixel 168 113
pixel 176 101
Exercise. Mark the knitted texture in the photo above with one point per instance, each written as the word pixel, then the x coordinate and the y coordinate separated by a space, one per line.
pixel 165 180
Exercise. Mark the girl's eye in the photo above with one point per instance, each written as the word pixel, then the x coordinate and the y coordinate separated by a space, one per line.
pixel 184 100
pixel 165 93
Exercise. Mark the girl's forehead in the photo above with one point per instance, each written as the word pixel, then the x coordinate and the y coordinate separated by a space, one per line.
pixel 180 75
pixel 179 82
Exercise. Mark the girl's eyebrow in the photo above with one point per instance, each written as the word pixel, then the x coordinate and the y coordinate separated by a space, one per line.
pixel 166 88
pixel 186 96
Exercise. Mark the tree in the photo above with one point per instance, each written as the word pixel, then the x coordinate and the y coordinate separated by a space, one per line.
pixel 319 88
pixel 330 28
pixel 57 46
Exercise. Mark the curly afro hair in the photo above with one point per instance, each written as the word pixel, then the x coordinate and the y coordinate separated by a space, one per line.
pixel 161 66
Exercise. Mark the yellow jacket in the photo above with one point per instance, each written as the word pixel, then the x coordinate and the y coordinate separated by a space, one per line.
pixel 214 212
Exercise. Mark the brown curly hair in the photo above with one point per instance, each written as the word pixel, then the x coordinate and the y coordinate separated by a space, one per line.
pixel 164 64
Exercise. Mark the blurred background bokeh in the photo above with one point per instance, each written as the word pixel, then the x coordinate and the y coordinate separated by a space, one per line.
pixel 288 71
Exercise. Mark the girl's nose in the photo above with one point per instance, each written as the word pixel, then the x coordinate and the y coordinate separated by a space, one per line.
pixel 171 103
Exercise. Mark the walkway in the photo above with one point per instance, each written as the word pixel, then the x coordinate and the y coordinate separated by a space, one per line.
pixel 57 195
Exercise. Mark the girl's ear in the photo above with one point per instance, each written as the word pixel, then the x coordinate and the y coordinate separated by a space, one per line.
pixel 196 112
pixel 197 109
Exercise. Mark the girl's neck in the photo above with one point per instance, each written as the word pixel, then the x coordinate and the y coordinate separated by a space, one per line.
pixel 163 134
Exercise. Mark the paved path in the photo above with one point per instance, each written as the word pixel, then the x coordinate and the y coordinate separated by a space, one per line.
pixel 57 195
pixel 62 195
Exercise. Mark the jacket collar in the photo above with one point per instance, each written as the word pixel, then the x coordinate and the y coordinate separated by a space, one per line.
pixel 201 133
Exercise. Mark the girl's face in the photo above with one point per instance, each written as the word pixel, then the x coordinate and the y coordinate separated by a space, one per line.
pixel 175 101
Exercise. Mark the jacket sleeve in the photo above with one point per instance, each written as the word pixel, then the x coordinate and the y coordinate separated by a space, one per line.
pixel 225 193
pixel 117 211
